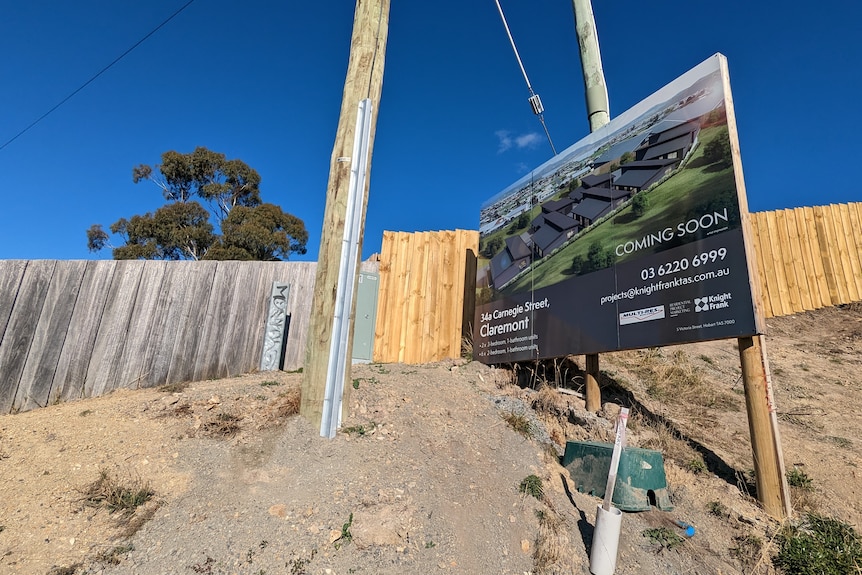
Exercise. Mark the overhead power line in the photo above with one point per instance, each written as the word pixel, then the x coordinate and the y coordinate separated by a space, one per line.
pixel 99 73
pixel 535 101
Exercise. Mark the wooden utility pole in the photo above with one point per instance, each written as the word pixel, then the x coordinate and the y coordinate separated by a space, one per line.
pixel 596 91
pixel 364 81
pixel 598 113
pixel 771 480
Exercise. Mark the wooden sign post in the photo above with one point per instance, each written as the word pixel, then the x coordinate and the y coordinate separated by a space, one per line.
pixel 769 472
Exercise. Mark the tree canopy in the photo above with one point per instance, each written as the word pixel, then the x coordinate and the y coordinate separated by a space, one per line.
pixel 181 229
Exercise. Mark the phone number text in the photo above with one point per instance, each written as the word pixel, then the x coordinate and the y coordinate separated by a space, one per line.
pixel 683 264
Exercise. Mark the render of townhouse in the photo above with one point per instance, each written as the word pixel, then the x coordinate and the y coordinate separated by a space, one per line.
pixel 658 154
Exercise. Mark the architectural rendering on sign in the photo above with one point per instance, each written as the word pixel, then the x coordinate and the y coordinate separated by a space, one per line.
pixel 632 237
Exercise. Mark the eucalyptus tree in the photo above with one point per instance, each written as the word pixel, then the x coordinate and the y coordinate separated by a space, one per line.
pixel 195 187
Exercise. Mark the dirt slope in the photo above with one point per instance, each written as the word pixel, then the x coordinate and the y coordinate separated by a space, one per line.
pixel 425 476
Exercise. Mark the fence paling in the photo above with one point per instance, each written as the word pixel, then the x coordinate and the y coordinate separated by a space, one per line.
pixel 447 294
pixel 20 328
pixel 810 290
pixel 419 284
pixel 783 291
pixel 383 308
pixel 430 342
pixel 854 212
pixel 791 261
pixel 771 288
pixel 830 245
pixel 814 250
pixel 43 356
pixel 826 241
pixel 798 261
pixel 761 271
pixel 851 271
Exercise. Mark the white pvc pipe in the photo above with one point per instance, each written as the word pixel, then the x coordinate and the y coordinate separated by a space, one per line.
pixel 606 540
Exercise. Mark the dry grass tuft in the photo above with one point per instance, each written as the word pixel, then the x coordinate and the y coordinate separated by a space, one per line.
pixel 518 422
pixel 804 500
pixel 467 347
pixel 558 435
pixel 286 404
pixel 749 550
pixel 548 400
pixel 182 409
pixel 718 509
pixel 114 555
pixel 223 424
pixel 110 493
pixel 855 306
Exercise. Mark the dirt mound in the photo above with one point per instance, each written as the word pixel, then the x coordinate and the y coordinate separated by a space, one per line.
pixel 435 468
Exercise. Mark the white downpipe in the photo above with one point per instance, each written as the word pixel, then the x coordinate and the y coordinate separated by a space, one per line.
pixel 331 417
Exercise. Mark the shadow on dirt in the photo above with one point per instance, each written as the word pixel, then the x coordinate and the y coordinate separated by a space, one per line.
pixel 563 372
pixel 613 391
pixel 584 526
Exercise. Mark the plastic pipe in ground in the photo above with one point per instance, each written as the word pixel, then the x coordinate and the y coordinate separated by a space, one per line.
pixel 606 540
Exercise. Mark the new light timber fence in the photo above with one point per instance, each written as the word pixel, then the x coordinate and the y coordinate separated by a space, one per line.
pixel 808 257
pixel 73 329
pixel 427 294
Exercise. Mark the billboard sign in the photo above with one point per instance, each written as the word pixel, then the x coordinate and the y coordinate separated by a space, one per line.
pixel 633 237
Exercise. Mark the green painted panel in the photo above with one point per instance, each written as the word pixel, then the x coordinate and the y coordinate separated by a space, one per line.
pixel 366 317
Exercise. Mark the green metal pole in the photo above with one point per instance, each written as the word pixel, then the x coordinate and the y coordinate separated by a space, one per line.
pixel 598 114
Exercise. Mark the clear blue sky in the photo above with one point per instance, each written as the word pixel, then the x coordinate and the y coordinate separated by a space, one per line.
pixel 262 82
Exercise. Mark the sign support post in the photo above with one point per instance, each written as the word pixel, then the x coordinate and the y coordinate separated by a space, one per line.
pixel 592 391
pixel 769 472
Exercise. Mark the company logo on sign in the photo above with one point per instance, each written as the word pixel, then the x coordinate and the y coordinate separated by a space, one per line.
pixel 709 303
pixel 641 315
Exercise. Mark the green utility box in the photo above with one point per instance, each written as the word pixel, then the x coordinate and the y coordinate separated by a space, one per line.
pixel 366 317
pixel 640 478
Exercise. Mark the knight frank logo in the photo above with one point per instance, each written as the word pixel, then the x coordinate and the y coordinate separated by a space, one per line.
pixel 709 303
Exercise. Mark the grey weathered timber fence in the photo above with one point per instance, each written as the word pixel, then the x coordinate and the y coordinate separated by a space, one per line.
pixel 73 329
